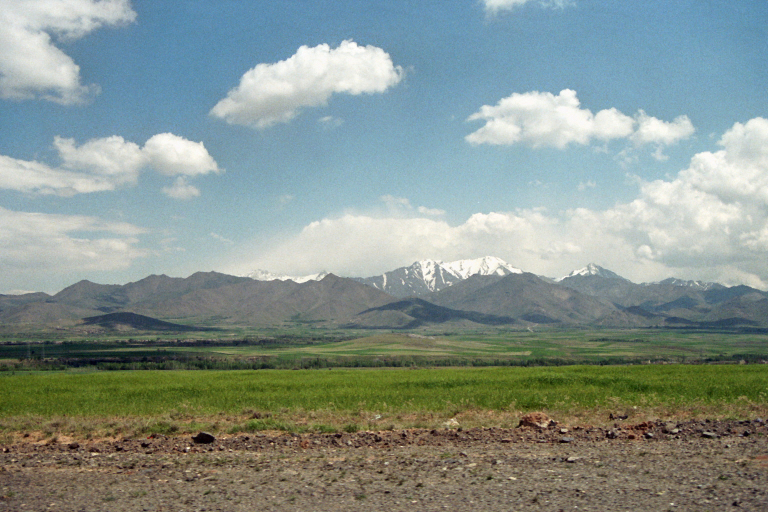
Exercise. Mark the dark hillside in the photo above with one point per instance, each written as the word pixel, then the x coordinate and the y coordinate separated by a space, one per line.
pixel 126 320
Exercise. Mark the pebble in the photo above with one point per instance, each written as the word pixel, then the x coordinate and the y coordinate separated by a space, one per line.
pixel 203 438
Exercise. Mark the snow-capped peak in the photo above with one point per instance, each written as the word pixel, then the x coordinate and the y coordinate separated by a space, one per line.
pixel 592 270
pixel 486 266
pixel 439 274
pixel 426 276
pixel 265 275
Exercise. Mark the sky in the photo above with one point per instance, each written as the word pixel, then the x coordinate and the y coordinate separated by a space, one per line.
pixel 169 137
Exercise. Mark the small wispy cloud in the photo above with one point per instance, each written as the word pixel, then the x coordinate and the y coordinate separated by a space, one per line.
pixel 496 6
pixel 402 205
pixel 330 122
pixel 432 212
pixel 285 199
pixel 220 238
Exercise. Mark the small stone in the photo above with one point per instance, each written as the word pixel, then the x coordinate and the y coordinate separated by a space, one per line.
pixel 74 446
pixel 709 435
pixel 648 435
pixel 566 440
pixel 203 438
pixel 563 430
pixel 611 434
pixel 535 419
pixel 572 459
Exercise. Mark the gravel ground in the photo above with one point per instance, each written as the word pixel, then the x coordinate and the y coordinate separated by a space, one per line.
pixel 695 465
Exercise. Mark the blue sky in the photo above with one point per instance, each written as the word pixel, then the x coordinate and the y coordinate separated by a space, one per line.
pixel 147 137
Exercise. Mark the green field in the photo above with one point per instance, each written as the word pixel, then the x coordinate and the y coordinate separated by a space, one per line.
pixel 130 403
pixel 307 349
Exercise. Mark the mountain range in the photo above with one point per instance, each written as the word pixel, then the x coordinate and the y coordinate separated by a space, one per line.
pixel 464 293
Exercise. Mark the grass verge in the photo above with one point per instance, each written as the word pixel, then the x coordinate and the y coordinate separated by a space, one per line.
pixel 128 404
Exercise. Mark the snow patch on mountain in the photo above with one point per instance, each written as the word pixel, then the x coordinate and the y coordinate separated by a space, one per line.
pixel 265 275
pixel 592 270
pixel 696 285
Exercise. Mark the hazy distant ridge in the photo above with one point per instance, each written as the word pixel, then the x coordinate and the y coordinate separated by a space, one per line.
pixel 486 291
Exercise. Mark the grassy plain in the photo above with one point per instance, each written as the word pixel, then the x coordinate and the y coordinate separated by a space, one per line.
pixel 309 348
pixel 97 404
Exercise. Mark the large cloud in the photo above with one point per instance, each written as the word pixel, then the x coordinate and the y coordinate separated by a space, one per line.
pixel 31 65
pixel 708 222
pixel 540 119
pixel 31 242
pixel 275 93
pixel 107 163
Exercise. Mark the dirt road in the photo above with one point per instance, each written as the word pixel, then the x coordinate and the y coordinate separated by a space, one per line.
pixel 658 466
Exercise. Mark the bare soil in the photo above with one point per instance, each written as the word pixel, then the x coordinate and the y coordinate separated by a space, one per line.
pixel 692 465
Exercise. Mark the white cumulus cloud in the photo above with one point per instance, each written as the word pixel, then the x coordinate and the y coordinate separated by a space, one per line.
pixel 172 155
pixel 31 65
pixel 542 119
pixel 113 158
pixel 709 222
pixel 276 93
pixel 30 242
pixel 655 131
pixel 104 164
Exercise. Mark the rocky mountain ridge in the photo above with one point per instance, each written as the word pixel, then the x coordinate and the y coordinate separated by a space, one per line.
pixel 467 293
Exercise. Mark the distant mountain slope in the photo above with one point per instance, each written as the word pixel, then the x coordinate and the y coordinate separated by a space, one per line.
pixel 525 297
pixel 110 298
pixel 428 276
pixel 125 321
pixel 204 298
pixel 44 314
pixel 413 312
pixel 252 302
pixel 682 300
